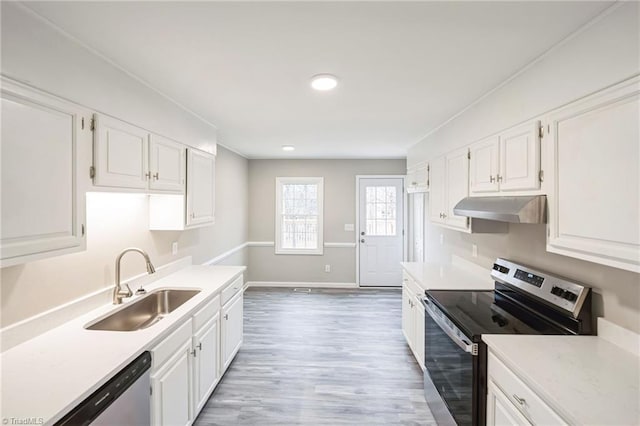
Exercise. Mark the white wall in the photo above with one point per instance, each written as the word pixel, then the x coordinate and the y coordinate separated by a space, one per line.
pixel 602 54
pixel 36 53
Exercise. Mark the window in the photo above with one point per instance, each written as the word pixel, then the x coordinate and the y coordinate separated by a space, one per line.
pixel 381 210
pixel 299 215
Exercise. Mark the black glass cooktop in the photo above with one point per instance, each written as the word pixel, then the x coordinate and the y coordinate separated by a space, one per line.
pixel 488 312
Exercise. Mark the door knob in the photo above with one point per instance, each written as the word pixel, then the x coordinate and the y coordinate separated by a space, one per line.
pixel 362 240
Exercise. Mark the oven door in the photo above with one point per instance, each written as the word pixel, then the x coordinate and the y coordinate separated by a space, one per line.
pixel 451 363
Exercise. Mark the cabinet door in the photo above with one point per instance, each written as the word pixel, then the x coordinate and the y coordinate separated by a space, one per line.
pixel 231 329
pixel 419 331
pixel 206 361
pixel 407 316
pixel 120 154
pixel 484 167
pixel 457 186
pixel 500 411
pixel 200 187
pixel 172 390
pixel 520 158
pixel 594 205
pixel 167 164
pixel 43 208
pixel 437 192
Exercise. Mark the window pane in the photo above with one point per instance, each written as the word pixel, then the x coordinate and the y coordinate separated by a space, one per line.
pixel 381 194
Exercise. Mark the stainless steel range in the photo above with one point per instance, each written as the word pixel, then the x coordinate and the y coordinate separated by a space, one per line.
pixel 524 301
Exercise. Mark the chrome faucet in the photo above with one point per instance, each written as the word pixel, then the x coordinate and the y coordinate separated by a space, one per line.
pixel 118 292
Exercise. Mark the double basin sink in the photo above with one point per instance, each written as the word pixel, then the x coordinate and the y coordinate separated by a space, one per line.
pixel 144 312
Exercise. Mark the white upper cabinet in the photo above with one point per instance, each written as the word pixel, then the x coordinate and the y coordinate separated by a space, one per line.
pixel 484 166
pixel 418 178
pixel 126 156
pixel 457 186
pixel 508 162
pixel 43 208
pixel 520 158
pixel 167 164
pixel 120 154
pixel 437 191
pixel 594 203
pixel 200 187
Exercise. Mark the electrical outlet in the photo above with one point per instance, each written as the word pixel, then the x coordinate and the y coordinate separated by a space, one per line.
pixel 327 268
pixel 174 247
pixel 441 239
pixel 474 250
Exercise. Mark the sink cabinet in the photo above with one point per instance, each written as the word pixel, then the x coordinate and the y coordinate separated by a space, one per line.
pixel 187 365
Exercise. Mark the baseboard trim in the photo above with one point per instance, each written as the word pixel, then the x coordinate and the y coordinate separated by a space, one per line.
pixel 302 284
pixel 31 327
pixel 226 254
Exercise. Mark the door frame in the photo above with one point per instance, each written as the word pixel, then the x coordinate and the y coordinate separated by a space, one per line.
pixel 357 224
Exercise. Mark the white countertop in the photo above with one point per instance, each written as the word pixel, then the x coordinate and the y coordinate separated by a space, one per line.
pixel 47 376
pixel 585 379
pixel 445 276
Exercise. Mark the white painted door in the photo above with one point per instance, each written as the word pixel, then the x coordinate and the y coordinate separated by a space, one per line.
pixel 232 329
pixel 437 191
pixel 167 164
pixel 120 154
pixel 457 186
pixel 484 166
pixel 381 231
pixel 520 158
pixel 206 361
pixel 200 187
pixel 42 204
pixel 172 390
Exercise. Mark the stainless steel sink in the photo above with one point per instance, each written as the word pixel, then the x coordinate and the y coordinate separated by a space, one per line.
pixel 144 312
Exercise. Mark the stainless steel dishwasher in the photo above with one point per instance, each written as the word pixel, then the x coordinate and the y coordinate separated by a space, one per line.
pixel 124 400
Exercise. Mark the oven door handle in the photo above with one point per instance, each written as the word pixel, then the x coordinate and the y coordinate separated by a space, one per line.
pixel 471 348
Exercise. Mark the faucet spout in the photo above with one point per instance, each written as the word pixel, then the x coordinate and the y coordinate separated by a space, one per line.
pixel 118 292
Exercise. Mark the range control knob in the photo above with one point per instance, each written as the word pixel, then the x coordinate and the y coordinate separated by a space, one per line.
pixel 571 297
pixel 557 291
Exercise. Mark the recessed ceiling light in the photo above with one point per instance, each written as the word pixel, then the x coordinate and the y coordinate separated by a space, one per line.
pixel 324 82
pixel 288 147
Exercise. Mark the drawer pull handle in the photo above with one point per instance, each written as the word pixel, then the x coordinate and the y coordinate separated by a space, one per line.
pixel 520 401
pixel 226 316
pixel 200 345
pixel 193 352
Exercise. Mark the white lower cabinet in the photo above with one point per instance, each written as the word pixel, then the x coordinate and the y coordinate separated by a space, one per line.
pixel 413 318
pixel 512 402
pixel 232 329
pixel 187 365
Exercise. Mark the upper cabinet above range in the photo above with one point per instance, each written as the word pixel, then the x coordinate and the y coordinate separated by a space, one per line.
pixel 507 163
pixel 126 156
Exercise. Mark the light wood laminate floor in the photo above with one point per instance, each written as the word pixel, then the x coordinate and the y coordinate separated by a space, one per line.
pixel 324 357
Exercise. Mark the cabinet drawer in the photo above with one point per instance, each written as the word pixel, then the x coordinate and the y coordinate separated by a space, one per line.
pixel 520 395
pixel 171 344
pixel 411 285
pixel 232 289
pixel 206 313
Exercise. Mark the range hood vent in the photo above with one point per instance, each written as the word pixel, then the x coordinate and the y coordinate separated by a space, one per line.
pixel 528 209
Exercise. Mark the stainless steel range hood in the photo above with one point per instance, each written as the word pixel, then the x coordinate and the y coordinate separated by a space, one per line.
pixel 527 209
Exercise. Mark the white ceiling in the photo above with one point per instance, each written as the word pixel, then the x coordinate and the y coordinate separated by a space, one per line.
pixel 404 67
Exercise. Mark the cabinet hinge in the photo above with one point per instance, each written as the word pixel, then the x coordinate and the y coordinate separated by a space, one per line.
pixel 541 175
pixel 93 124
pixel 82 123
pixel 541 132
pixel 92 172
pixel 150 390
pixel 82 229
pixel 469 155
pixel 428 168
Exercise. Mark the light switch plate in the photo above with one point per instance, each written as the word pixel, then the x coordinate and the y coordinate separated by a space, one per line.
pixel 349 227
pixel 174 247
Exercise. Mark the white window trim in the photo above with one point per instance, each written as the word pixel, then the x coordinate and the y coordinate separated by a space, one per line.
pixel 278 240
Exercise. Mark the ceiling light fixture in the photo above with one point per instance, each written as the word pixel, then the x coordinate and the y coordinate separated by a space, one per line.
pixel 324 82
pixel 288 147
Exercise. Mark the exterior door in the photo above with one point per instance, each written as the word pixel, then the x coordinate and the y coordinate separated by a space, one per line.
pixel 381 231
